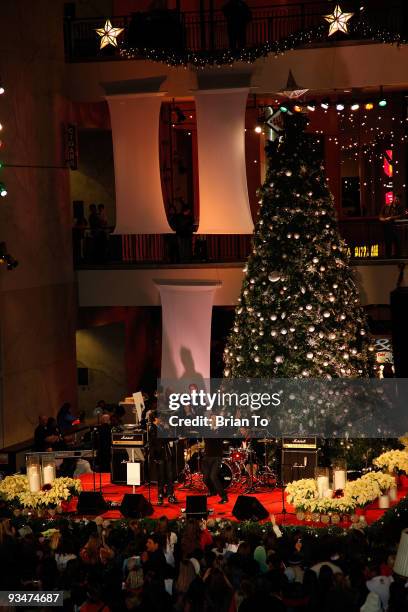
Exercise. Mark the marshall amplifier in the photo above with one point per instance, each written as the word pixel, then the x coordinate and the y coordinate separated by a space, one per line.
pixel 299 458
pixel 136 438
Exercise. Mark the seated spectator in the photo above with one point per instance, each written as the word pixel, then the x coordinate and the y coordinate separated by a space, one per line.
pixel 44 438
pixel 65 418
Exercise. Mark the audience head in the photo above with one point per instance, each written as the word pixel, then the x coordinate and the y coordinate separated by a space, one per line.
pixel 153 543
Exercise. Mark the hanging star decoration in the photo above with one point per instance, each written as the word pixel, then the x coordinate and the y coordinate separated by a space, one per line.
pixel 338 20
pixel 109 34
pixel 292 89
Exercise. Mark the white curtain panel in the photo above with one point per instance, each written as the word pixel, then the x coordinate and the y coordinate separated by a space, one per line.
pixel 186 329
pixel 224 204
pixel 135 134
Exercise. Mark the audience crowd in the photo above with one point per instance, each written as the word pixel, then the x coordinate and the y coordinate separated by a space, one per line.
pixel 199 566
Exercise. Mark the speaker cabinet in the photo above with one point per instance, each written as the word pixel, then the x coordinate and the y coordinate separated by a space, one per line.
pixel 399 324
pixel 135 505
pixel 196 506
pixel 91 502
pixel 83 377
pixel 248 508
pixel 297 464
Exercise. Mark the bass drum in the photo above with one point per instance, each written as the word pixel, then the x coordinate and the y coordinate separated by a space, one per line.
pixel 227 473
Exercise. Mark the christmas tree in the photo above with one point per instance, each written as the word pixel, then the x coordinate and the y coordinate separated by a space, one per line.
pixel 299 313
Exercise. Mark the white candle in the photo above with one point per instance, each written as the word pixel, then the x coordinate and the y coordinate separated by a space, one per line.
pixel 322 485
pixel 328 493
pixel 48 474
pixel 393 494
pixel 339 480
pixel 383 501
pixel 34 481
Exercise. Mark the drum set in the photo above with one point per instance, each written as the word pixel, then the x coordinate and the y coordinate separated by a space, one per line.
pixel 240 470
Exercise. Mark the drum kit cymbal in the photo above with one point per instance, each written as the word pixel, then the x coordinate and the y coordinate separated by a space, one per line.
pixel 240 469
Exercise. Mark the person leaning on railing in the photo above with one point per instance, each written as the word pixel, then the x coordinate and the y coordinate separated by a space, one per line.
pixel 392 211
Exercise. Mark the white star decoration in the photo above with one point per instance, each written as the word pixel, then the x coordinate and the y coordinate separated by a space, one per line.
pixel 338 20
pixel 108 34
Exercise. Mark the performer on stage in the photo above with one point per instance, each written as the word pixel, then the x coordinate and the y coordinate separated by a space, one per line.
pixel 213 452
pixel 160 453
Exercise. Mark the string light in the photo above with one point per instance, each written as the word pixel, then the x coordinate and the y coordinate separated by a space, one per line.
pixel 359 29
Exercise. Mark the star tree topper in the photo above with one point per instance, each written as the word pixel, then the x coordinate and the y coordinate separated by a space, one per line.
pixel 109 34
pixel 338 20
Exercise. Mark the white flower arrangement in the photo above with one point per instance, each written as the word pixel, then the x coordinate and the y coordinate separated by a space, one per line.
pixel 393 460
pixel 384 481
pixel 303 494
pixel 16 491
pixel 362 491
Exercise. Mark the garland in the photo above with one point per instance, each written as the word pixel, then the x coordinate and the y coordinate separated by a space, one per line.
pixel 385 530
pixel 360 30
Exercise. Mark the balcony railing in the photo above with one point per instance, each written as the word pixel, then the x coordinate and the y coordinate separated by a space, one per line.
pixel 364 236
pixel 208 31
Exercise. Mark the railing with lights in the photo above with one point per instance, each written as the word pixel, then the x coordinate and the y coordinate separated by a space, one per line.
pixel 201 31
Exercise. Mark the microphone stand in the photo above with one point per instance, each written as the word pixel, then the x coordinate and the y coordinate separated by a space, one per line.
pixel 147 460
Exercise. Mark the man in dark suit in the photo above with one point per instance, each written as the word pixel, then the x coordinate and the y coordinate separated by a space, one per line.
pixel 213 452
pixel 160 453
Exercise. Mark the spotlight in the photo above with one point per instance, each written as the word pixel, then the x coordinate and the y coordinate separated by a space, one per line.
pixel 382 102
pixel 283 108
pixel 340 106
pixel 369 106
pixel 297 108
pixel 311 106
pixel 355 106
pixel 2 90
pixel 325 103
pixel 3 190
pixel 258 129
pixel 1 127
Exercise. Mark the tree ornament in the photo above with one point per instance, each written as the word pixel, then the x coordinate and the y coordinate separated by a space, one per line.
pixel 274 276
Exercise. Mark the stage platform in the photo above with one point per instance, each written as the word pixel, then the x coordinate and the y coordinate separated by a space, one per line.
pixel 271 499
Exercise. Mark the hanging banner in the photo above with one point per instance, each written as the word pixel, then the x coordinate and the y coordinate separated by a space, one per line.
pixel 185 344
pixel 224 203
pixel 135 135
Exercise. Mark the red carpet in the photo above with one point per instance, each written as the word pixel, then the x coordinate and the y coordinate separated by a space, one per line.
pixel 271 499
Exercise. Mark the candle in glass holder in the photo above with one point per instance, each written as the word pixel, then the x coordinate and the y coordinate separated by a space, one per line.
pixel 339 479
pixel 48 474
pixel 393 493
pixel 34 480
pixel 322 485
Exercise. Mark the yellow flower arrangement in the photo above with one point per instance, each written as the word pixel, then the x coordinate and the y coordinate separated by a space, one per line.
pixel 16 491
pixel 393 460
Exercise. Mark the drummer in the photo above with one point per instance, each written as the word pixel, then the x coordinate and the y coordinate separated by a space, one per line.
pixel 252 449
